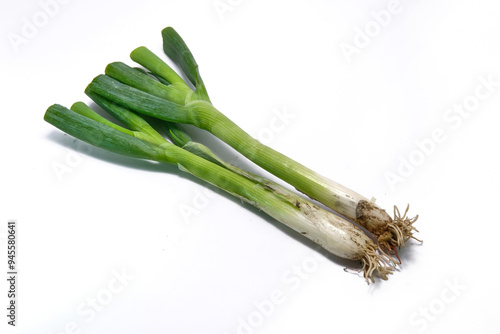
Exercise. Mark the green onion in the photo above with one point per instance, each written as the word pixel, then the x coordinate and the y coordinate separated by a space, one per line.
pixel 330 231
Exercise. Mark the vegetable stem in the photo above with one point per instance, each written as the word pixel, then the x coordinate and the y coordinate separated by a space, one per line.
pixel 177 50
pixel 152 62
pixel 174 92
pixel 127 117
pixel 139 101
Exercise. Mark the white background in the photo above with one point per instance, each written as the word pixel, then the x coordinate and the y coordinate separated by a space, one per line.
pixel 226 268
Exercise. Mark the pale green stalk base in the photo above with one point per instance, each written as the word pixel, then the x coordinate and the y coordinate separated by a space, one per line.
pixel 332 232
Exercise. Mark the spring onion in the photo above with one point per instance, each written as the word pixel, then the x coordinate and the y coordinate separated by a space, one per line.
pixel 140 140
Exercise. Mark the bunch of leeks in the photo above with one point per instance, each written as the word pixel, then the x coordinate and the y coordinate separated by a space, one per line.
pixel 154 96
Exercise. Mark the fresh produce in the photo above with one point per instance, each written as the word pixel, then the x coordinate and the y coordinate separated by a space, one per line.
pixel 154 97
